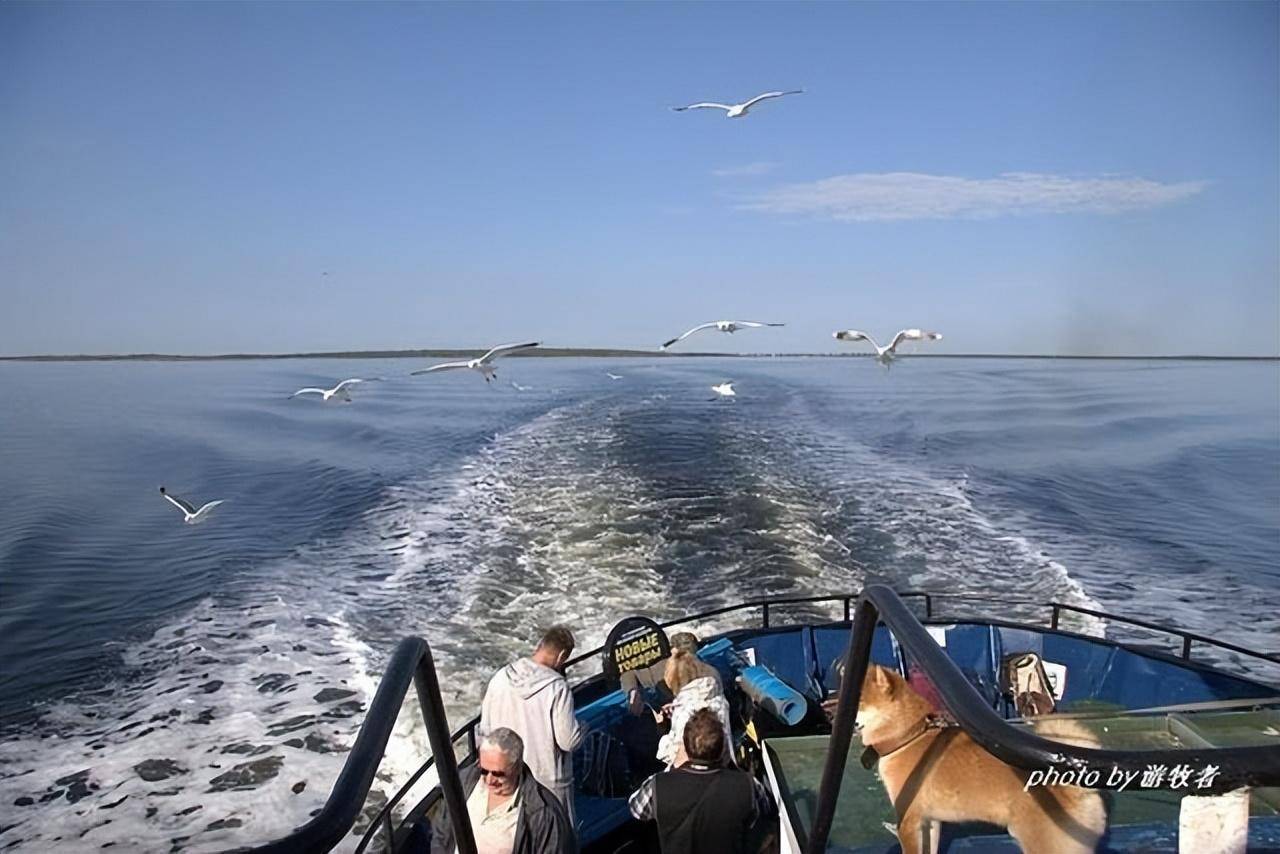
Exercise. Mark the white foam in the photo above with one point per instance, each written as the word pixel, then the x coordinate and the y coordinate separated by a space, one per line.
pixel 179 714
pixel 546 523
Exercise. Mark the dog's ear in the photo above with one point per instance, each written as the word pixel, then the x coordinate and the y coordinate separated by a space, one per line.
pixel 882 679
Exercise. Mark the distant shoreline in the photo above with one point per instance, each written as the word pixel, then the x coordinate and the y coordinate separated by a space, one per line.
pixel 562 352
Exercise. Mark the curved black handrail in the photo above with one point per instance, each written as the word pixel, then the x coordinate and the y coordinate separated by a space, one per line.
pixel 383 818
pixel 1237 766
pixel 411 661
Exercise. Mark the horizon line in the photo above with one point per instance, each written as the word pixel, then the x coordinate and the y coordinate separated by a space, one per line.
pixel 581 352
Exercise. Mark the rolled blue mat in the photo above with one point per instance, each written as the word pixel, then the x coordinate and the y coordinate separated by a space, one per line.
pixel 773 695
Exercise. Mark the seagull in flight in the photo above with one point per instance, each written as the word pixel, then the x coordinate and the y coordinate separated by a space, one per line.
pixel 723 390
pixel 190 514
pixel 734 111
pixel 340 392
pixel 729 326
pixel 613 376
pixel 484 364
pixel 886 354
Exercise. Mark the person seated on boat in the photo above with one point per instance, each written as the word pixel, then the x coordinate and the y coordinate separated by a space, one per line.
pixel 645 688
pixel 649 682
pixel 696 686
pixel 702 807
pixel 532 697
pixel 510 811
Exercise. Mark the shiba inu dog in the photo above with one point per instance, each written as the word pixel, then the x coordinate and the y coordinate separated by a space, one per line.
pixel 935 773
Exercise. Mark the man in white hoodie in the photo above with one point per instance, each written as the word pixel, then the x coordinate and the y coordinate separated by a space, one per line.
pixel 531 697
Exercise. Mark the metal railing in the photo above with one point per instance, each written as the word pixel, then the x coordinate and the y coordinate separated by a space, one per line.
pixel 1186 637
pixel 342 807
pixel 411 662
pixel 1237 766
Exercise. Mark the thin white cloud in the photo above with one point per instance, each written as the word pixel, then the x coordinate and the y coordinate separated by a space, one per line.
pixel 868 197
pixel 760 167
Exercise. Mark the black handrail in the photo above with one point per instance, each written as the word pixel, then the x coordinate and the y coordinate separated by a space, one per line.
pixel 468 729
pixel 411 661
pixel 740 606
pixel 1237 766
pixel 384 815
pixel 1186 637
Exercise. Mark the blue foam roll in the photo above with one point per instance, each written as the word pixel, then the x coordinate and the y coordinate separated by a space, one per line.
pixel 773 695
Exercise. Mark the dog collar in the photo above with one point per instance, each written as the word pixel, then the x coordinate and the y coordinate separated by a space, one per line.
pixel 872 754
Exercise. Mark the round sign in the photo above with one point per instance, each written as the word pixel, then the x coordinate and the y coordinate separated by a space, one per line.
pixel 633 644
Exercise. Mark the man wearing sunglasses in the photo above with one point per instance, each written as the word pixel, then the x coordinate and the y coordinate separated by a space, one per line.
pixel 510 811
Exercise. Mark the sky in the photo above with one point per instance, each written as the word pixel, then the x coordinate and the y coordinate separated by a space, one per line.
pixel 1026 178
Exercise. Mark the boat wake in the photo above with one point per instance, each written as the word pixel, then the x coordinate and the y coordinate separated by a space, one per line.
pixel 227 726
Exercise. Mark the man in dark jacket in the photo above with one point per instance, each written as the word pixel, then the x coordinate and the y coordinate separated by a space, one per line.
pixel 510 811
pixel 702 807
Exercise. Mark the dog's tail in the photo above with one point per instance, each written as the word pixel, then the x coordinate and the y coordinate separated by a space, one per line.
pixel 1065 730
pixel 1084 811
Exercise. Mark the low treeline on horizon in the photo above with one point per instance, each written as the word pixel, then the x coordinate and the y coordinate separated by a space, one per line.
pixel 561 352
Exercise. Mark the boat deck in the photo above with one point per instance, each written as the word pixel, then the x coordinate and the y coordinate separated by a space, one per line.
pixel 1143 704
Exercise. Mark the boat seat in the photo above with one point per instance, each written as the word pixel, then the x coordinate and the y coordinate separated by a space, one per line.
pixel 721 655
pixel 1136 681
pixel 1131 680
pixel 789 654
pixel 599 816
pixel 831 643
pixel 603 712
pixel 975 650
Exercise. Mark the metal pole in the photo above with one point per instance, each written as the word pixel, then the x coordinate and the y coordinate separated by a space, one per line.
pixel 442 749
pixel 388 832
pixel 855 670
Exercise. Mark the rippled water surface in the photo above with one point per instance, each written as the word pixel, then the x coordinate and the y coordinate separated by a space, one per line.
pixel 167 685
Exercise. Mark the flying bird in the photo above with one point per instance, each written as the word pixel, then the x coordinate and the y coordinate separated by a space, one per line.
pixel 484 364
pixel 613 376
pixel 729 326
pixel 723 390
pixel 190 514
pixel 734 111
pixel 341 392
pixel 886 354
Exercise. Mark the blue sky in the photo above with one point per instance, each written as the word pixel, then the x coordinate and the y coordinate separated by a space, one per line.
pixel 1076 178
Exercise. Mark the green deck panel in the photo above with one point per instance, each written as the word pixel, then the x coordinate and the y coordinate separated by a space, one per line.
pixel 863 804
pixel 1183 730
pixel 1237 729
